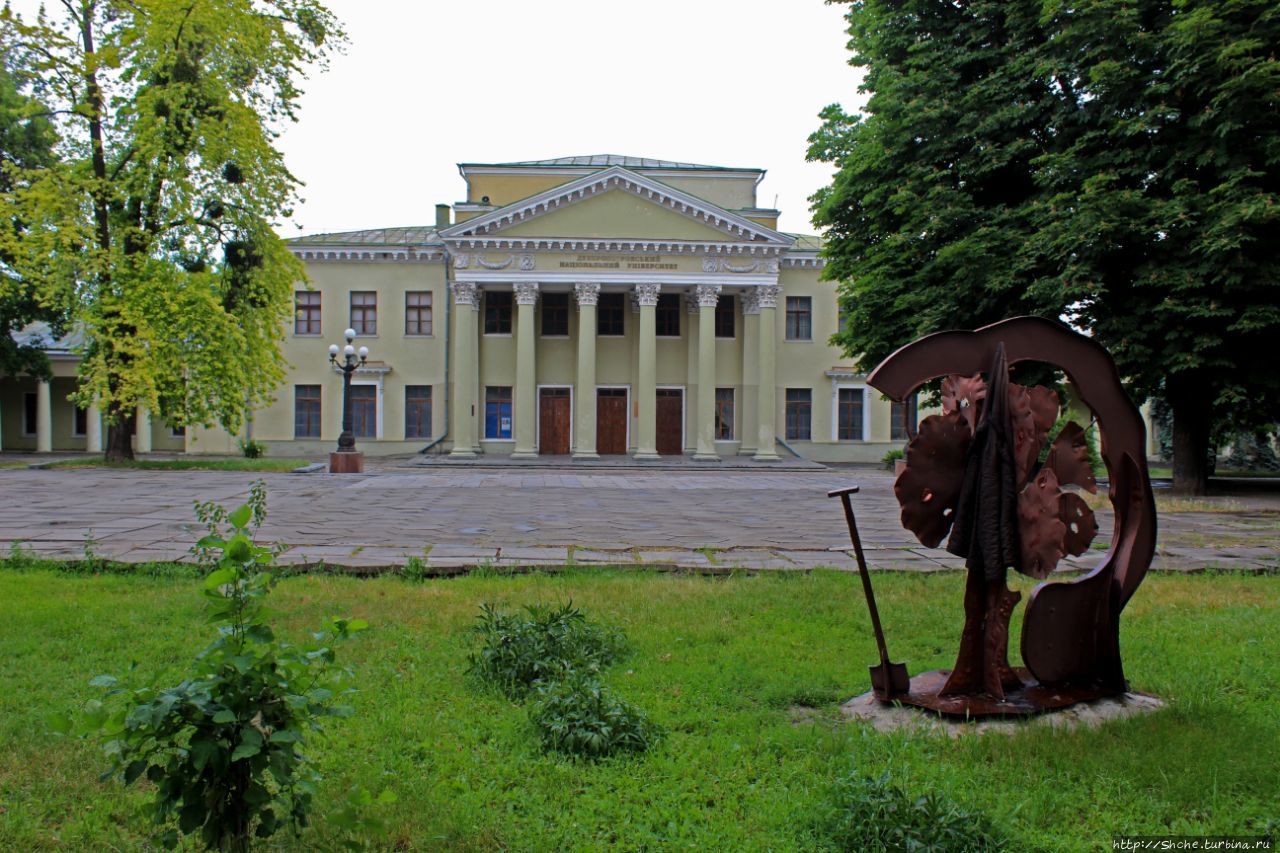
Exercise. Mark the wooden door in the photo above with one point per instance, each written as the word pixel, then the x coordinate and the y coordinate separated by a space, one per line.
pixel 611 421
pixel 670 421
pixel 553 421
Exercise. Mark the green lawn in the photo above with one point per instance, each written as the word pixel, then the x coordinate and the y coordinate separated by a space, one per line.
pixel 721 663
pixel 234 463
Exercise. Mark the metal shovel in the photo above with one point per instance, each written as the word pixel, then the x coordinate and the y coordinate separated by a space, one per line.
pixel 887 679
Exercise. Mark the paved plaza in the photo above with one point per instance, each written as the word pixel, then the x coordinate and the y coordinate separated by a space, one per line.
pixel 462 518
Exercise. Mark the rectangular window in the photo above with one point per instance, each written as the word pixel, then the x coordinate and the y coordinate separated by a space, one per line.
pixel 799 414
pixel 497 312
pixel 417 312
pixel 799 318
pixel 667 315
pixel 497 412
pixel 849 414
pixel 306 317
pixel 177 431
pixel 842 318
pixel 555 315
pixel 417 411
pixel 364 411
pixel 306 411
pixel 29 413
pixel 80 423
pixel 364 312
pixel 724 414
pixel 725 317
pixel 903 419
pixel 611 314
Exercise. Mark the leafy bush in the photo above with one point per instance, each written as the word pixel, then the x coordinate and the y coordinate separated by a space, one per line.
pixel 579 716
pixel 544 643
pixel 893 456
pixel 875 815
pixel 223 746
pixel 252 448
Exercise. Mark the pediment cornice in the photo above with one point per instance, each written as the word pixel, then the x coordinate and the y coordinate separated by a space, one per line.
pixel 736 228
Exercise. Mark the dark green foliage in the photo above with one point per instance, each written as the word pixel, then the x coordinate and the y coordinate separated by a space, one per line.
pixel 581 717
pixel 27 140
pixel 875 815
pixel 893 456
pixel 224 747
pixel 252 449
pixel 543 643
pixel 1115 162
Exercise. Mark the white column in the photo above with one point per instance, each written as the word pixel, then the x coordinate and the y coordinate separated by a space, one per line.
pixel 585 393
pixel 93 429
pixel 526 375
pixel 646 296
pixel 142 431
pixel 707 296
pixel 767 395
pixel 465 375
pixel 750 373
pixel 44 417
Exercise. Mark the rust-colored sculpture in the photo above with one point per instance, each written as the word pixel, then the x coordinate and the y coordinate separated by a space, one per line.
pixel 973 472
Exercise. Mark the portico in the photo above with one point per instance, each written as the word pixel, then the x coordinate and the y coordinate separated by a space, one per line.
pixel 590 402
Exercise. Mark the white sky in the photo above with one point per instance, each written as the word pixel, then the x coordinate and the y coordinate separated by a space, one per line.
pixel 426 85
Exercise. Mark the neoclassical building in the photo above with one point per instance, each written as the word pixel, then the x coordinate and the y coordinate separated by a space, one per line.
pixel 583 306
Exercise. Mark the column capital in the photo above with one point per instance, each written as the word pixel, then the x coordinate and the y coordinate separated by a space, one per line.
pixel 751 302
pixel 465 293
pixel 588 293
pixel 767 295
pixel 526 292
pixel 691 304
pixel 707 295
pixel 646 293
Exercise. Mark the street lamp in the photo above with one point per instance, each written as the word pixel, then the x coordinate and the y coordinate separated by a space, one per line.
pixel 347 459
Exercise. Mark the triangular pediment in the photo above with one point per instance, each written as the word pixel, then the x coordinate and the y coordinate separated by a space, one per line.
pixel 617 203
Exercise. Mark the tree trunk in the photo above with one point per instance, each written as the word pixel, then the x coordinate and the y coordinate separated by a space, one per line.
pixel 1192 429
pixel 119 445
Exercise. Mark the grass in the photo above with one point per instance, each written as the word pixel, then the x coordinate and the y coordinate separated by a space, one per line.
pixel 228 464
pixel 723 664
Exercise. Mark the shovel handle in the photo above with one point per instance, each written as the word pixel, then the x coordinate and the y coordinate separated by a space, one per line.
pixel 843 494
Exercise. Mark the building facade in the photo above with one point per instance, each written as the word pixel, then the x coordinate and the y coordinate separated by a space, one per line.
pixel 584 306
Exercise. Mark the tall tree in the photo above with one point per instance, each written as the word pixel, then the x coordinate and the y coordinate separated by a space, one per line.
pixel 27 140
pixel 1113 162
pixel 157 219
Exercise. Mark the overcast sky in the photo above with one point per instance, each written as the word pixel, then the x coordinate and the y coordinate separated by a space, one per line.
pixel 426 85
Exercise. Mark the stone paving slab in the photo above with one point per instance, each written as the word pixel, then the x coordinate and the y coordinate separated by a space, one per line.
pixel 681 517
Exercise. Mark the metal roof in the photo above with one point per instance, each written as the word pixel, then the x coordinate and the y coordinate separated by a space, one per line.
pixel 411 236
pixel 605 160
pixel 805 242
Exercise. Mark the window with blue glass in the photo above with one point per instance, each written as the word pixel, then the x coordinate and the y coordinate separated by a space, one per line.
pixel 497 412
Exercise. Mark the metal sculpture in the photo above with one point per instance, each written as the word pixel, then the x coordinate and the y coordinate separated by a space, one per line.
pixel 973 476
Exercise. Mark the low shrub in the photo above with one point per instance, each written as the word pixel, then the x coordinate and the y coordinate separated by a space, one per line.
pixel 223 748
pixel 875 815
pixel 252 449
pixel 581 717
pixel 542 643
pixel 893 456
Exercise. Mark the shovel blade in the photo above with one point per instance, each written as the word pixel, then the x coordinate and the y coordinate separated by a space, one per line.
pixel 889 680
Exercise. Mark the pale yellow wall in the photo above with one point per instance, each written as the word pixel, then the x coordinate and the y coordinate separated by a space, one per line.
pixel 616 213
pixel 729 193
pixel 413 360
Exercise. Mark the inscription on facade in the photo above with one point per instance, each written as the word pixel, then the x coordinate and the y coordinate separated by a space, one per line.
pixel 617 262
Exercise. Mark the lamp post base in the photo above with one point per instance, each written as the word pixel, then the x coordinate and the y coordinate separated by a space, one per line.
pixel 346 463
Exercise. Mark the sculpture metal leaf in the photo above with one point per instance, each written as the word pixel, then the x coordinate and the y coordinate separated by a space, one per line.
pixel 1080 522
pixel 929 486
pixel 963 394
pixel 1032 412
pixel 1069 458
pixel 1039 527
